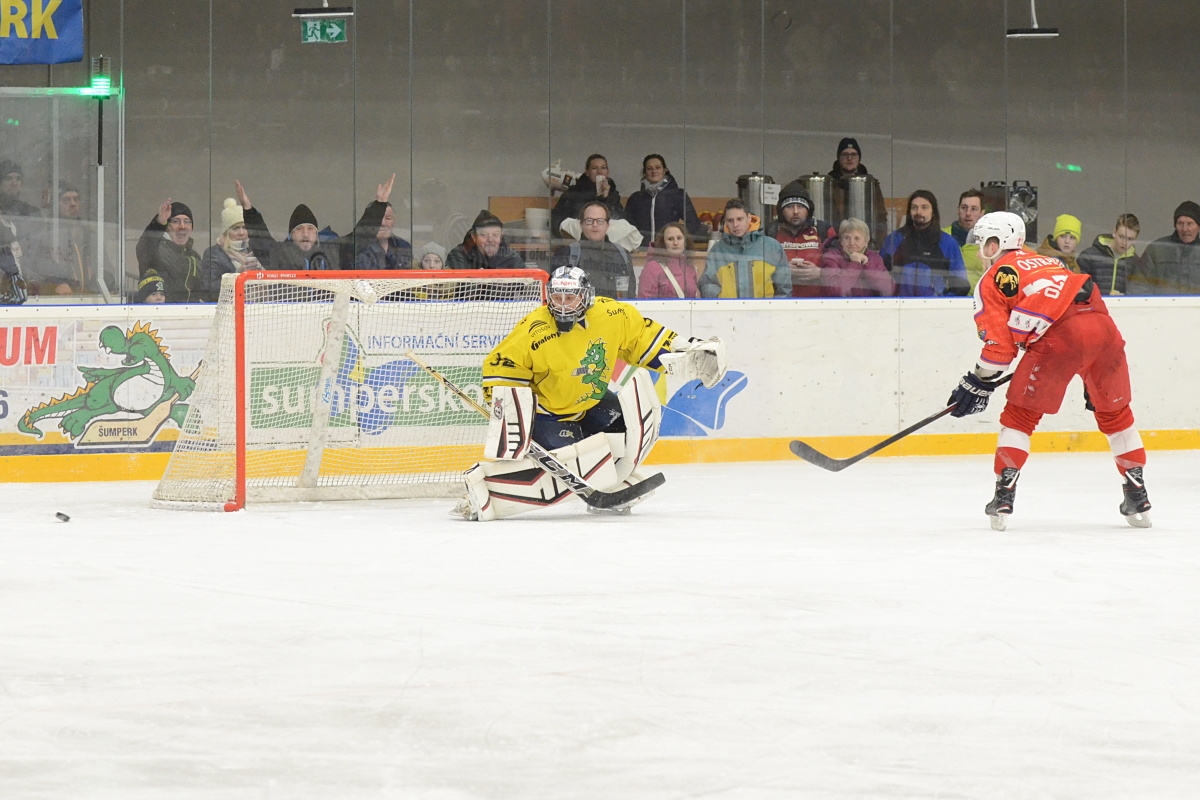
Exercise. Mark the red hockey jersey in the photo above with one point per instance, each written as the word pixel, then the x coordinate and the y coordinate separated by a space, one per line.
pixel 1017 301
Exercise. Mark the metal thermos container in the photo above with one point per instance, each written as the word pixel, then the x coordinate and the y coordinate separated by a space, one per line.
pixel 820 191
pixel 860 198
pixel 1021 198
pixel 750 190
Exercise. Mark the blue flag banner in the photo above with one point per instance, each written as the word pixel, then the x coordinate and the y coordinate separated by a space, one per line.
pixel 41 31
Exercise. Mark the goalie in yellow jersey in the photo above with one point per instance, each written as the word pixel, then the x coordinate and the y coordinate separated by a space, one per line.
pixel 547 382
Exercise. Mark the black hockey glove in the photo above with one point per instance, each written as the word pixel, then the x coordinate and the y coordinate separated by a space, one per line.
pixel 970 396
pixel 1087 400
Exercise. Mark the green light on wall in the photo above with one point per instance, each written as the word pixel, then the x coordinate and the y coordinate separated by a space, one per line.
pixel 1068 167
pixel 101 87
pixel 11 121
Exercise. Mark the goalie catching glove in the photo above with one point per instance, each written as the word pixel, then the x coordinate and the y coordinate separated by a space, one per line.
pixel 510 429
pixel 696 359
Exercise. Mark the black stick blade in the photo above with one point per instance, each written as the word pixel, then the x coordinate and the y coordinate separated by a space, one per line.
pixel 806 452
pixel 626 495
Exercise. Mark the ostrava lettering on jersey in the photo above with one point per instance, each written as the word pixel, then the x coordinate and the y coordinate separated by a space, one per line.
pixel 1034 262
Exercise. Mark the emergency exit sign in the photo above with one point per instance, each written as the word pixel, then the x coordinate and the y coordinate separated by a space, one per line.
pixel 322 31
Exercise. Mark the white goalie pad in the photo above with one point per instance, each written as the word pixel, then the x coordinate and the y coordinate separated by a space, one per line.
pixel 703 359
pixel 498 489
pixel 642 412
pixel 510 429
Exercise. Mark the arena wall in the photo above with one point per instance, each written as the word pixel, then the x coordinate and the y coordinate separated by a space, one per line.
pixel 839 374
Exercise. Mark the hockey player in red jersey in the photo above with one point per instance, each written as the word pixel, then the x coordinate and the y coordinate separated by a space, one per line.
pixel 1031 302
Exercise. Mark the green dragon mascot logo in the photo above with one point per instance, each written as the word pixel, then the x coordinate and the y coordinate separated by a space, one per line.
pixel 119 405
pixel 592 369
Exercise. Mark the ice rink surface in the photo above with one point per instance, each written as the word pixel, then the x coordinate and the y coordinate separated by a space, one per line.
pixel 753 631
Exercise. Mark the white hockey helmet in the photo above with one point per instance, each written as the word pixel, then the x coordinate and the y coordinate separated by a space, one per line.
pixel 1006 226
pixel 569 295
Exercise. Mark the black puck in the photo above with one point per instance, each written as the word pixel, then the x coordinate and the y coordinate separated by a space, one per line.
pixel 63 517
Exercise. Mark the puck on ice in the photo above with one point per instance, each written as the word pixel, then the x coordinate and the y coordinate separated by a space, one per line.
pixel 63 517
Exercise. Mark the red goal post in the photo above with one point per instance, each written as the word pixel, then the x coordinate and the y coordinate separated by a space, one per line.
pixel 304 392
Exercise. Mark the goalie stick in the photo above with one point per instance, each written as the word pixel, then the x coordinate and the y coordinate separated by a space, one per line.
pixel 809 454
pixel 587 493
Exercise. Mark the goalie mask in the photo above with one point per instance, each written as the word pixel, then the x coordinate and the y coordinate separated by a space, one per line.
pixel 570 295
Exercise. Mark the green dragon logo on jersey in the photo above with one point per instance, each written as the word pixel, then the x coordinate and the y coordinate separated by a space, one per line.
pixel 592 368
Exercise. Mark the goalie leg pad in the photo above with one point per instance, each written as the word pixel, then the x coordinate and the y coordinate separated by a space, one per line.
pixel 499 489
pixel 642 412
pixel 510 429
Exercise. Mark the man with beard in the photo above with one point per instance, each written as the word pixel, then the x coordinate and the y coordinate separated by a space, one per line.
pixel 802 237
pixel 924 261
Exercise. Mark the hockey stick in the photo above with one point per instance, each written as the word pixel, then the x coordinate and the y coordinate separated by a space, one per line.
pixel 587 493
pixel 806 452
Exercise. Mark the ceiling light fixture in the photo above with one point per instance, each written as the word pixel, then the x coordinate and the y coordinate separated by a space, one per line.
pixel 1035 32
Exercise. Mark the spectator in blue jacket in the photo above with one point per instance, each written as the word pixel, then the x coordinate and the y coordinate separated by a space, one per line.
pixel 660 200
pixel 924 261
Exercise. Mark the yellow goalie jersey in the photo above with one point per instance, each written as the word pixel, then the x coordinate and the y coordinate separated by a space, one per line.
pixel 569 372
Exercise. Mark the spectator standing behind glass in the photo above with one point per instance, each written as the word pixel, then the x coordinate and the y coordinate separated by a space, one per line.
pixel 669 272
pixel 849 269
pixel 924 260
pixel 847 165
pixel 970 209
pixel 433 256
pixel 231 253
pixel 166 249
pixel 608 266
pixel 302 249
pixel 660 200
pixel 745 262
pixel 12 180
pixel 1063 241
pixel 484 247
pixel 1111 258
pixel 375 246
pixel 802 238
pixel 1171 265
pixel 593 184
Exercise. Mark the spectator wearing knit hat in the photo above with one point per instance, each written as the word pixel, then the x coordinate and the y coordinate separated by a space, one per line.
pixel 484 247
pixel 231 253
pixel 1063 241
pixel 166 249
pixel 848 165
pixel 12 179
pixel 1171 265
pixel 375 246
pixel 802 237
pixel 150 290
pixel 1110 259
pixel 433 256
pixel 302 249
pixel 61 252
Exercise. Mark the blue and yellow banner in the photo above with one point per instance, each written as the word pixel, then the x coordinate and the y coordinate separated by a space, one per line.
pixel 41 31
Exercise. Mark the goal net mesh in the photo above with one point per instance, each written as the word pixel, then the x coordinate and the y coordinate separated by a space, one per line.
pixel 325 405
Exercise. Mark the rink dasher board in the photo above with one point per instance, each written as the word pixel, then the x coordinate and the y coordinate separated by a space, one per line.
pixel 838 373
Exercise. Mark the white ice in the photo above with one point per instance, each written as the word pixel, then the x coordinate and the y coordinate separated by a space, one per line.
pixel 754 631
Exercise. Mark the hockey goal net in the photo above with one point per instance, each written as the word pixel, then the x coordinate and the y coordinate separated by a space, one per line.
pixel 305 393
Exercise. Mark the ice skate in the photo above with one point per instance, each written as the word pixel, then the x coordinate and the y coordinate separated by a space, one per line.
pixel 1002 504
pixel 1136 505
pixel 463 509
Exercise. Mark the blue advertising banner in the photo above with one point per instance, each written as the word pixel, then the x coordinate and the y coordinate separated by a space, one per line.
pixel 41 31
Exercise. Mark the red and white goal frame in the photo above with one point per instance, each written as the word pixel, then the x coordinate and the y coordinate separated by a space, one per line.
pixel 304 392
